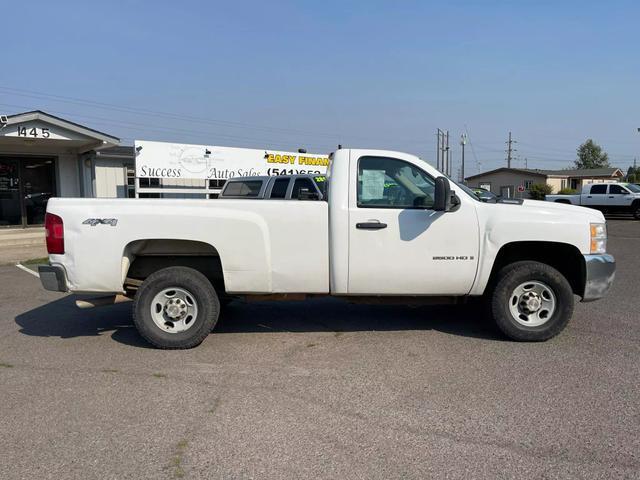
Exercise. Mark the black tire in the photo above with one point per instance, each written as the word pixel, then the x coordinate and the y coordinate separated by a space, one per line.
pixel 635 210
pixel 205 298
pixel 514 275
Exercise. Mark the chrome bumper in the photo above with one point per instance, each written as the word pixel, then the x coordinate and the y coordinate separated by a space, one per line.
pixel 599 274
pixel 53 278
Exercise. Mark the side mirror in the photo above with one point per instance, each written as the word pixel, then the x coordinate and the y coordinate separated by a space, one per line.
pixel 442 195
pixel 305 194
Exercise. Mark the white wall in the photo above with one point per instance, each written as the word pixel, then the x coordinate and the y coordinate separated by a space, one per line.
pixel 111 179
pixel 67 176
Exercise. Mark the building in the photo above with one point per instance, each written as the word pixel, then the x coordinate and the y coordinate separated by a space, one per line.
pixel 515 182
pixel 42 155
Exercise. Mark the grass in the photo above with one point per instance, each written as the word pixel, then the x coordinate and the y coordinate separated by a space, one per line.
pixel 5 365
pixel 176 461
pixel 216 404
pixel 35 261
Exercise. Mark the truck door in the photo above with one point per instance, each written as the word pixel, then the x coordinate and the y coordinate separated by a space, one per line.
pixel 597 196
pixel 618 197
pixel 398 245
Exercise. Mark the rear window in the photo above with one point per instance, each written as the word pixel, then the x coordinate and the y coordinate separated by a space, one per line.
pixel 246 188
pixel 279 189
pixel 598 189
pixel 302 183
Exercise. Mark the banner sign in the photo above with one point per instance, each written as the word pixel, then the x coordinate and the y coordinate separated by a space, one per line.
pixel 207 162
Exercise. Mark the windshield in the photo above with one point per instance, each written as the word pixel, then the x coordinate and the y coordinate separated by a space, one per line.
pixel 633 187
pixel 467 190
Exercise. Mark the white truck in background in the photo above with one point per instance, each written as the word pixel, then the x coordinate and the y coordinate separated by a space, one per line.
pixel 390 227
pixel 609 197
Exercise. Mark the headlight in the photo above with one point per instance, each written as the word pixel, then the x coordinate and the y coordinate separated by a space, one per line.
pixel 598 238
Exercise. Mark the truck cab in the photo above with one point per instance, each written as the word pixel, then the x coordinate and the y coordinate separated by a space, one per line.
pixel 278 187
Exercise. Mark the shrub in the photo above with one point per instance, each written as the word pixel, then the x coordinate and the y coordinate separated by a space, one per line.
pixel 567 191
pixel 537 191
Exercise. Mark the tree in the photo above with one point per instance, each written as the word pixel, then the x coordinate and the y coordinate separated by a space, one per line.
pixel 590 155
pixel 538 191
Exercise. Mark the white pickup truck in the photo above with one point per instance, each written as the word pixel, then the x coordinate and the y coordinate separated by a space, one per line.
pixel 391 228
pixel 612 197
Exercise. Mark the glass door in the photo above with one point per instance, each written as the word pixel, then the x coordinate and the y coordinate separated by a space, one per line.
pixel 10 205
pixel 37 176
pixel 26 184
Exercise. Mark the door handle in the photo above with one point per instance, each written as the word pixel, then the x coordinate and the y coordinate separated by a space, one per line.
pixel 589 196
pixel 371 225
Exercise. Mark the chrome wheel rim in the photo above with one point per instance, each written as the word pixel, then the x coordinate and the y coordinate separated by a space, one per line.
pixel 532 303
pixel 174 310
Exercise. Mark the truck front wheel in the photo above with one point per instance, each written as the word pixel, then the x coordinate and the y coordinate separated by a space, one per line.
pixel 175 308
pixel 531 301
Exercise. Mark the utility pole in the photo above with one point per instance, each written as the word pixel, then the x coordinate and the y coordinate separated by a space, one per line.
pixel 463 142
pixel 439 148
pixel 447 170
pixel 510 150
pixel 443 153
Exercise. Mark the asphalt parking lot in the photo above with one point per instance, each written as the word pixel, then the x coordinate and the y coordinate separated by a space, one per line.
pixel 321 389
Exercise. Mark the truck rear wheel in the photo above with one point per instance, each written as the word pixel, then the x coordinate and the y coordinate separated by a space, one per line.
pixel 176 308
pixel 635 209
pixel 531 301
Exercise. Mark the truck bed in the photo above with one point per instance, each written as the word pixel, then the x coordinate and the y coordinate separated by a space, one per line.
pixel 277 246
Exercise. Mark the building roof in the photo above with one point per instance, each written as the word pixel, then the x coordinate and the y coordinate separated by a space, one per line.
pixel 579 173
pixel 61 122
pixel 583 172
pixel 117 152
pixel 514 170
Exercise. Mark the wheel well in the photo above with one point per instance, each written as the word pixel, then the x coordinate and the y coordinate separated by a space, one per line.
pixel 141 258
pixel 565 258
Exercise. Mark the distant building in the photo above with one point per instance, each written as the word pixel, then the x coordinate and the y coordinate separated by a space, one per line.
pixel 515 182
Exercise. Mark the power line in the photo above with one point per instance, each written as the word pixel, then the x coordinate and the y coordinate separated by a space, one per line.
pixel 187 118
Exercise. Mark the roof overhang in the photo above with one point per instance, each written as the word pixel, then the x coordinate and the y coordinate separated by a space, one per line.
pixel 48 131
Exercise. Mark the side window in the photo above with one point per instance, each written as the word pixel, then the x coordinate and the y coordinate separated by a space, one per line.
pixel 391 183
pixel 598 189
pixel 617 190
pixel 247 188
pixel 302 183
pixel 279 189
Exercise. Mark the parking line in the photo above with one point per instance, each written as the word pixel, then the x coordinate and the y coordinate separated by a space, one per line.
pixel 28 270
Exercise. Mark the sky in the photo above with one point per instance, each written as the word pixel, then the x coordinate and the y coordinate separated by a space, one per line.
pixel 366 74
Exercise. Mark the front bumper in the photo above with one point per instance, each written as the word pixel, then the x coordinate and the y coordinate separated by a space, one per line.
pixel 599 274
pixel 53 278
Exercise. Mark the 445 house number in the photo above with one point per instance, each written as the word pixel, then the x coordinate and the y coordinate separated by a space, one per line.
pixel 33 132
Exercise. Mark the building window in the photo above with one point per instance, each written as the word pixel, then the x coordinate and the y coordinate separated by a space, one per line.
pixel 527 184
pixel 217 183
pixel 130 173
pixel 150 183
pixel 486 186
pixel 563 183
